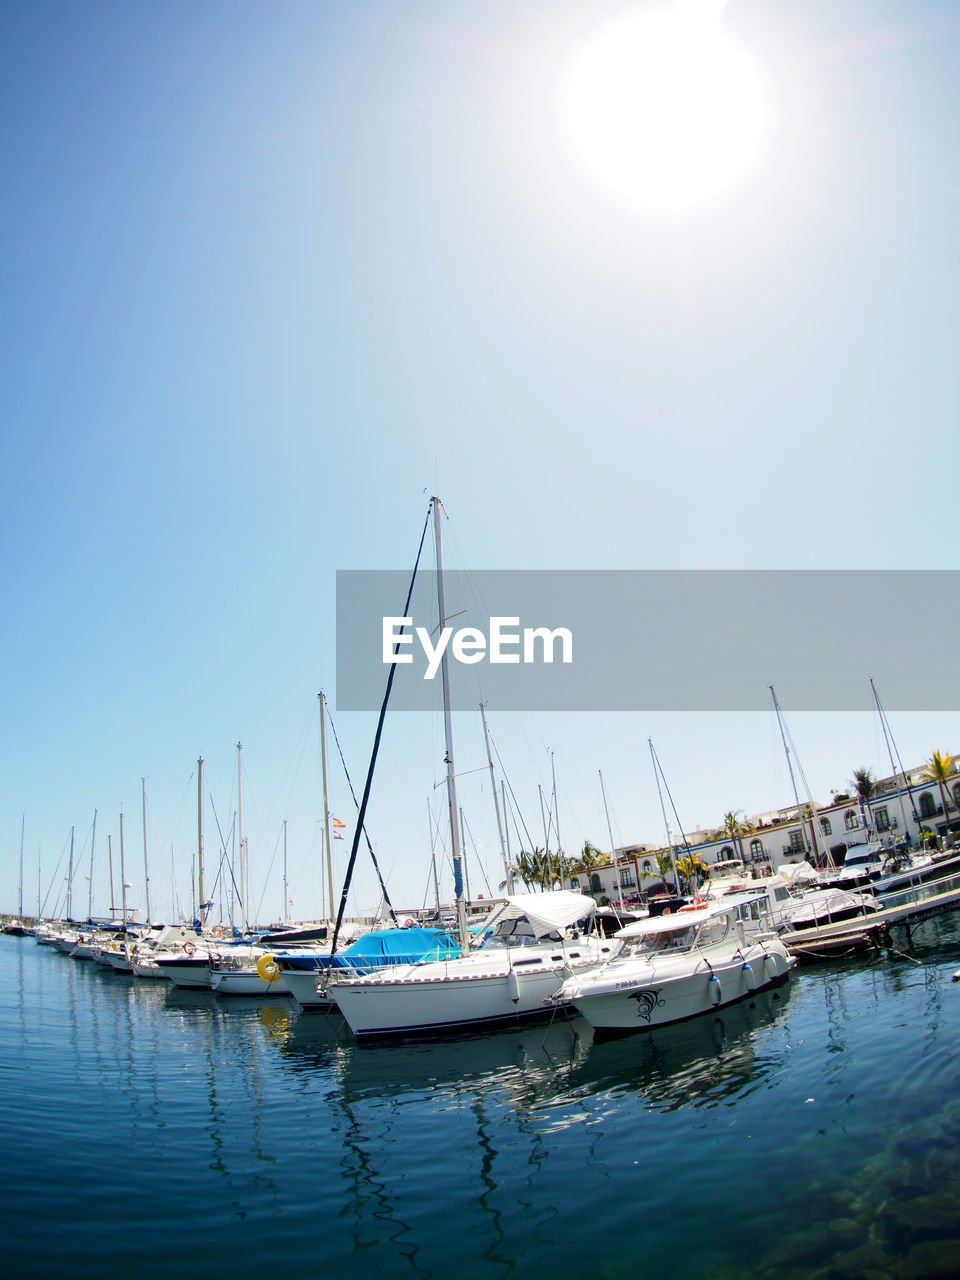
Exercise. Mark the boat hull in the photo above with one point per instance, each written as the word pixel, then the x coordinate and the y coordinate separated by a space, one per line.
pixel 493 985
pixel 187 971
pixel 635 996
pixel 244 983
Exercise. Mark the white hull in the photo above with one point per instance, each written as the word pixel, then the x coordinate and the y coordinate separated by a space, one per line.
pixel 241 982
pixel 302 985
pixel 193 977
pixel 483 989
pixel 636 994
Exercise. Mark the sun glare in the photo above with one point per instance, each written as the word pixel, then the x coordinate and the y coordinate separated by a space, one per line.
pixel 666 110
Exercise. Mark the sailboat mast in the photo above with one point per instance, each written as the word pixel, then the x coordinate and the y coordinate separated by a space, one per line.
pixel 146 869
pixel 496 804
pixel 891 748
pixel 613 851
pixel 113 909
pixel 93 841
pixel 448 733
pixel 793 781
pixel 286 913
pixel 23 823
pixel 666 824
pixel 241 838
pixel 123 882
pixel 200 840
pixel 326 805
pixel 70 879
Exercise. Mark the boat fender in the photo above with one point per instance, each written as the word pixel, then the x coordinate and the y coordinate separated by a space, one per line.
pixel 749 980
pixel 189 948
pixel 267 968
pixel 513 986
pixel 715 993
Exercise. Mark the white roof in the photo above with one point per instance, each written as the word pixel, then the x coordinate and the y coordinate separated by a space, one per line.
pixel 674 921
pixel 554 909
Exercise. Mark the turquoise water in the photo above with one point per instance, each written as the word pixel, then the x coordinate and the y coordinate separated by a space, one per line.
pixel 812 1133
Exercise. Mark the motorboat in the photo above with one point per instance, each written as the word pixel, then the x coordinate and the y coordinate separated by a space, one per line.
pixel 529 945
pixel 675 967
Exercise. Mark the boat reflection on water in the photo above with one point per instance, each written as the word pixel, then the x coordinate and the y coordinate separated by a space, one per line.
pixel 701 1062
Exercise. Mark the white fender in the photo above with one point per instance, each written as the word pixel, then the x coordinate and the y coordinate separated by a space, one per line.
pixel 513 986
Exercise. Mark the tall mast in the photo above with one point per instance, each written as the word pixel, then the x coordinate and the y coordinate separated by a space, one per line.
pixel 613 850
pixel 448 732
pixel 891 748
pixel 286 913
pixel 241 838
pixel 123 882
pixel 113 909
pixel 556 817
pixel 793 781
pixel 23 822
pixel 200 841
pixel 666 823
pixel 326 806
pixel 146 869
pixel 70 879
pixel 496 804
pixel 93 841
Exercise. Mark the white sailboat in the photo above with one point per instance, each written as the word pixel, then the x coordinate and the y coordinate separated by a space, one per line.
pixel 507 972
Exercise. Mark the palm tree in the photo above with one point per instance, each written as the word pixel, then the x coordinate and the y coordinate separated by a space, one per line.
pixel 688 867
pixel 736 830
pixel 866 788
pixel 938 769
pixel 530 868
pixel 664 861
pixel 589 860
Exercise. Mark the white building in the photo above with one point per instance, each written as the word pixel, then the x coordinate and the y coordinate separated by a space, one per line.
pixel 901 808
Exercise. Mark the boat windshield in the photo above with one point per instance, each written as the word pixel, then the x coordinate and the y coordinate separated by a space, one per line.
pixel 684 937
pixel 517 932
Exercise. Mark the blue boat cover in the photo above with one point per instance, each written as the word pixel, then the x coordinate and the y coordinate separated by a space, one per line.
pixel 394 946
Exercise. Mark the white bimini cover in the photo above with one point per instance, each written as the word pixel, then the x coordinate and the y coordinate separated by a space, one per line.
pixel 556 909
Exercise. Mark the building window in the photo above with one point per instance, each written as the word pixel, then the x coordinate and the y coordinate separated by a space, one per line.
pixel 825 827
pixel 796 841
pixel 882 819
pixel 850 820
pixel 574 884
pixel 727 854
pixel 595 885
pixel 756 850
pixel 928 808
pixel 626 878
pixel 956 795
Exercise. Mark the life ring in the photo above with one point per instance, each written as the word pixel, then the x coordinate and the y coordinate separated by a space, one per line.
pixel 216 931
pixel 665 911
pixel 189 948
pixel 409 923
pixel 267 968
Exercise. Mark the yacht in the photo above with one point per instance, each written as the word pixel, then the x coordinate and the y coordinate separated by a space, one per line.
pixel 675 967
pixel 529 945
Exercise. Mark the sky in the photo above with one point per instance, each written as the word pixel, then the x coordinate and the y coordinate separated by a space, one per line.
pixel 274 274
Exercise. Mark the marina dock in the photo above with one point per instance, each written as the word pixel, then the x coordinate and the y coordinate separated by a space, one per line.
pixel 904 908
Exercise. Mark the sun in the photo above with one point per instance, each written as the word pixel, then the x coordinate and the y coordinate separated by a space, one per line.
pixel 664 109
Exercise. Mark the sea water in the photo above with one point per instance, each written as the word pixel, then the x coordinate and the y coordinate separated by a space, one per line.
pixel 810 1132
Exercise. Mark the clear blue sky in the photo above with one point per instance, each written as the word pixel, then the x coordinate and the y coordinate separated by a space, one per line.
pixel 269 270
